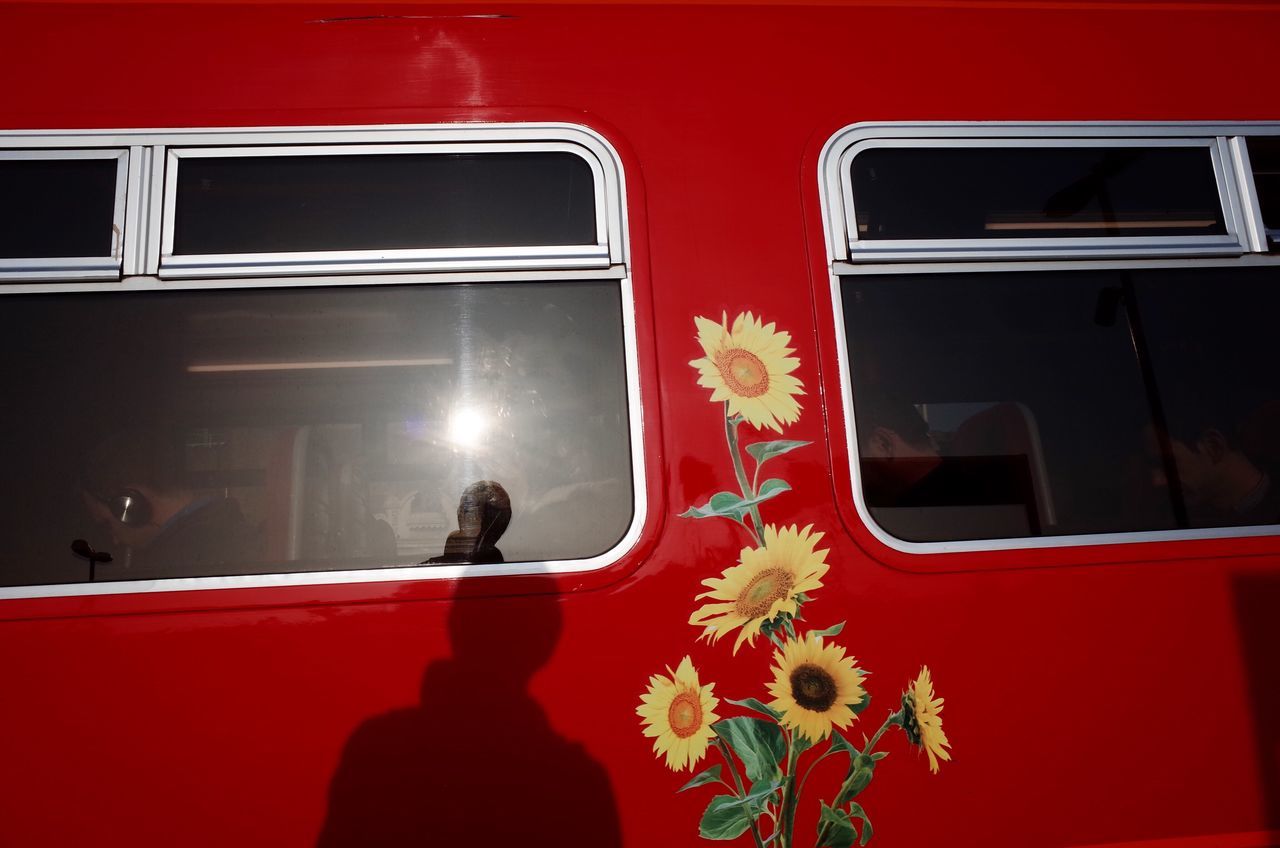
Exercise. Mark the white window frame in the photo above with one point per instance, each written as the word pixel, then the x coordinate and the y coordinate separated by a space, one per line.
pixel 143 246
pixel 174 266
pixel 74 267
pixel 1243 217
pixel 1225 144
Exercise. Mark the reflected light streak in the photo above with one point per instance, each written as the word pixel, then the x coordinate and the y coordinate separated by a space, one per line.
pixel 223 368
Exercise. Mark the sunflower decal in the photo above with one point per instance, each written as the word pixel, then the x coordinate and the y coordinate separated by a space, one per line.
pixel 749 367
pixel 766 583
pixel 816 688
pixel 922 719
pixel 679 711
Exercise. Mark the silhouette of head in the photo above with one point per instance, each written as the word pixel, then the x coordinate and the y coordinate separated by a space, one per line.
pixel 484 511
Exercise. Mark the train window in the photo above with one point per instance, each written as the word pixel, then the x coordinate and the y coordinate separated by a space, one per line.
pixel 1025 404
pixel 346 418
pixel 965 198
pixel 267 431
pixel 1042 192
pixel 1264 153
pixel 1069 398
pixel 284 203
pixel 250 211
pixel 62 213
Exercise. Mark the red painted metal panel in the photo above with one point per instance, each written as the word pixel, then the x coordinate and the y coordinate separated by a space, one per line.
pixel 1109 694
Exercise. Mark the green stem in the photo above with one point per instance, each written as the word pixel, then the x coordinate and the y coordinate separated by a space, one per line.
pixel 804 780
pixel 786 816
pixel 893 719
pixel 748 491
pixel 728 761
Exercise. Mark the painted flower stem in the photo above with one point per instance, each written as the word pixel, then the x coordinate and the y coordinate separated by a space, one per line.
pixel 786 817
pixel 892 720
pixel 731 423
pixel 733 770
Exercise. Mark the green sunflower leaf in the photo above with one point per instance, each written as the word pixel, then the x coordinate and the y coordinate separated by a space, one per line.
pixel 856 812
pixel 725 818
pixel 758 706
pixel 759 795
pixel 702 778
pixel 861 705
pixel 729 505
pixel 770 488
pixel 833 630
pixel 758 743
pixel 838 828
pixel 764 451
pixel 862 771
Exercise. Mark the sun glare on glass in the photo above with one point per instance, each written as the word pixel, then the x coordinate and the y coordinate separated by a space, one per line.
pixel 467 427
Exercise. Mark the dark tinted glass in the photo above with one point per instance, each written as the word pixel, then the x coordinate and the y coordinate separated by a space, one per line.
pixel 56 207
pixel 975 193
pixel 309 429
pixel 1264 155
pixel 268 204
pixel 1053 403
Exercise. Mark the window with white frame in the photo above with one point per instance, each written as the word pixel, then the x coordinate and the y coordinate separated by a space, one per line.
pixel 1057 334
pixel 314 354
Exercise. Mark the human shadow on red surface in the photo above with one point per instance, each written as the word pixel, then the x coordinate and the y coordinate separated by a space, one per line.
pixel 1257 600
pixel 477 762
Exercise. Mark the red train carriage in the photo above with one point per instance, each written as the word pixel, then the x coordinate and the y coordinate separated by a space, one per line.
pixel 589 425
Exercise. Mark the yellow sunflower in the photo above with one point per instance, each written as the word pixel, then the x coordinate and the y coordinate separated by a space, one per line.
pixel 678 711
pixel 922 719
pixel 815 686
pixel 764 584
pixel 750 367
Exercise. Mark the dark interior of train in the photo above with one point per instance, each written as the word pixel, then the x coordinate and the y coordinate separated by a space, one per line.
pixel 1004 405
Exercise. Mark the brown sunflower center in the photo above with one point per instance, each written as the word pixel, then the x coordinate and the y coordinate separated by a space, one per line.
pixel 685 714
pixel 813 687
pixel 771 584
pixel 743 372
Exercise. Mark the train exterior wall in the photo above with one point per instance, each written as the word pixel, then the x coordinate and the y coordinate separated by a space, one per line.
pixel 1096 695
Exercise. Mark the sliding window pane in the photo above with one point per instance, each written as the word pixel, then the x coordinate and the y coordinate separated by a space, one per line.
pixel 1264 155
pixel 52 208
pixel 276 204
pixel 1035 192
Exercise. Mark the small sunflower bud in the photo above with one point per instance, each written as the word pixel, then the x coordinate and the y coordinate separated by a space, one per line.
pixel 910 724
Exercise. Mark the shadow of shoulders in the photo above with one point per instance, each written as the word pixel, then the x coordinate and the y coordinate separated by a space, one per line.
pixel 476 762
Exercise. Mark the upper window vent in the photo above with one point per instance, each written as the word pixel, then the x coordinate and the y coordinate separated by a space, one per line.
pixel 960 192
pixel 308 201
pixel 61 213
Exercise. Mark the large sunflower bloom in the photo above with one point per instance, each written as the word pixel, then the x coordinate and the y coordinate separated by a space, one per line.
pixel 763 585
pixel 750 367
pixel 815 686
pixel 922 719
pixel 678 711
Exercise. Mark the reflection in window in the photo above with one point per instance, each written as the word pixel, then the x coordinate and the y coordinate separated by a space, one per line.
pixel 234 431
pixel 1007 405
